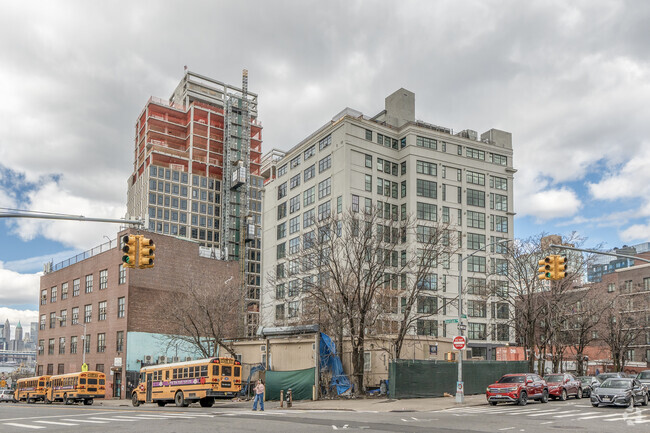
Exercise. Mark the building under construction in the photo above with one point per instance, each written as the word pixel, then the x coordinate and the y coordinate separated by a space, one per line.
pixel 196 175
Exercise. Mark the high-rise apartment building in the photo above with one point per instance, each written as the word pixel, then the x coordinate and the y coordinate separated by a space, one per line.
pixel 196 174
pixel 406 167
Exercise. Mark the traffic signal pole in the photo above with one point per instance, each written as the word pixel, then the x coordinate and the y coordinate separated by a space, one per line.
pixel 564 247
pixel 47 216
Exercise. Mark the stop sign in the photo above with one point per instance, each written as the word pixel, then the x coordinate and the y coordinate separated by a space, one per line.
pixel 459 342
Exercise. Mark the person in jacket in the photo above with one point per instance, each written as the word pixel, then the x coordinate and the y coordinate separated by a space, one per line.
pixel 259 395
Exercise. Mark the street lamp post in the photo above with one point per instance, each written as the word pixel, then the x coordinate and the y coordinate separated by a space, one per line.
pixel 460 390
pixel 83 338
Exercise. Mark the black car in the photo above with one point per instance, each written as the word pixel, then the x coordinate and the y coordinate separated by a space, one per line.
pixel 618 391
pixel 602 376
pixel 644 377
pixel 588 384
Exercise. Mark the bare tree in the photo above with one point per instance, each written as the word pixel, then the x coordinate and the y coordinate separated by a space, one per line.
pixel 206 316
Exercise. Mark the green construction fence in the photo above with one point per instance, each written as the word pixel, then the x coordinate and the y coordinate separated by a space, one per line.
pixel 301 383
pixel 423 378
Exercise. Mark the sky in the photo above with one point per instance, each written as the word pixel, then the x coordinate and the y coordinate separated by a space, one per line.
pixel 569 80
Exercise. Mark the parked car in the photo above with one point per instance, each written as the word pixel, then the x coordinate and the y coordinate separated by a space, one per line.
pixel 644 377
pixel 589 383
pixel 603 376
pixel 517 388
pixel 7 395
pixel 562 385
pixel 617 391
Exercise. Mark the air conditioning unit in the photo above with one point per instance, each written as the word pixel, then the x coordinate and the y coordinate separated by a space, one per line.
pixel 147 359
pixel 263 348
pixel 162 360
pixel 175 359
pixel 189 358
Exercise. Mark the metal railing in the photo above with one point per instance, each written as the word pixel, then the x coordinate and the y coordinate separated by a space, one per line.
pixel 85 255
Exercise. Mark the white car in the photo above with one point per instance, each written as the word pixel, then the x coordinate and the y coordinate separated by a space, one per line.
pixel 6 395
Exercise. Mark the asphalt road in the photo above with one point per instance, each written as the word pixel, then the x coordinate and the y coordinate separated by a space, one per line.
pixel 573 415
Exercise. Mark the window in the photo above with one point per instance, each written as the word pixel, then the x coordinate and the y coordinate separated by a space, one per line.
pixel 294 308
pixel 426 211
pixel 119 346
pixel 308 218
pixel 324 210
pixel 646 283
pixel 102 310
pixel 281 230
pixel 281 250
pixel 64 291
pixel 103 279
pixel 73 345
pixel 476 264
pixel 501 224
pixel 64 318
pixel 75 315
pixel 427 304
pixel 499 159
pixel 503 332
pixel 101 342
pixel 282 170
pixel 294 224
pixel 475 178
pixel 428 168
pixel 89 283
pixel 476 308
pixel 282 190
pixel 294 245
pixel 50 346
pixel 426 188
pixel 52 320
pixel 309 196
pixel 429 143
pixel 121 307
pixel 87 343
pixel 325 188
pixel 368 161
pixel 368 183
pixel 325 163
pixel 310 172
pixel 367 361
pixel 476 286
pixel 425 234
pixel 475 219
pixel 499 202
pixel 279 312
pixel 501 311
pixel 53 291
pixel 311 151
pixel 323 143
pixel 75 287
pixel 475 197
pixel 88 313
pixel 474 153
pixel 41 347
pixel 295 162
pixel 122 270
pixel 42 323
pixel 499 183
pixel 427 327
pixel 294 204
pixel 282 210
pixel 476 331
pixel 294 181
pixel 368 135
pixel 475 241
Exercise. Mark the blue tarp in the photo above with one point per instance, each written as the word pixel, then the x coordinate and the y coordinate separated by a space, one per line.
pixel 329 360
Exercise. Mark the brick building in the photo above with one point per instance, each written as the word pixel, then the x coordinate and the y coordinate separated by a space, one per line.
pixel 118 308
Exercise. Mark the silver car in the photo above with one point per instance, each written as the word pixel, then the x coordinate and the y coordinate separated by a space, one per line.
pixel 620 392
pixel 644 377
pixel 6 395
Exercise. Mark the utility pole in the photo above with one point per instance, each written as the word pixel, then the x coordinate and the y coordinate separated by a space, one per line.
pixel 48 216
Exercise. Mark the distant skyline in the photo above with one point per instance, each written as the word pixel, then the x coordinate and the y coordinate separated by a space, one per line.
pixel 570 81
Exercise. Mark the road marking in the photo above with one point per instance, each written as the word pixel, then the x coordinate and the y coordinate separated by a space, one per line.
pixel 551 413
pixel 546 422
pixel 15 424
pixel 56 423
pixel 598 416
pixel 506 428
pixel 85 420
pixel 114 419
pixel 572 414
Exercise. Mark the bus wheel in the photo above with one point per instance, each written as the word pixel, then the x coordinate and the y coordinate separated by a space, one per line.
pixel 134 400
pixel 206 402
pixel 161 403
pixel 179 400
pixel 88 401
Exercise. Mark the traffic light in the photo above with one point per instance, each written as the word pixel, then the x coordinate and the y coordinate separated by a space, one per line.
pixel 545 268
pixel 147 255
pixel 130 243
pixel 559 267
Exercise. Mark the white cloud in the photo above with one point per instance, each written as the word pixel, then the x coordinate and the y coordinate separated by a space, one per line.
pixel 630 180
pixel 552 203
pixel 25 317
pixel 636 232
pixel 18 289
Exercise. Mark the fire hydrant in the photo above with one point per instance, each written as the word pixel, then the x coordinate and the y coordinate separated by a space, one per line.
pixel 289 398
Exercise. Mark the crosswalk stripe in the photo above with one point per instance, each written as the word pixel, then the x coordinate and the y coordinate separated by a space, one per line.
pixel 15 424
pixel 85 420
pixel 598 416
pixel 573 414
pixel 132 418
pixel 56 423
pixel 114 419
pixel 554 412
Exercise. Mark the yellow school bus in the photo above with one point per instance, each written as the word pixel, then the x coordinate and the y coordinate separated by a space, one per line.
pixel 183 383
pixel 31 389
pixel 74 387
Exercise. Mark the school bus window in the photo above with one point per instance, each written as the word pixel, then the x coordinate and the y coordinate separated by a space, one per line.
pixel 82 381
pixel 236 371
pixel 185 372
pixel 226 370
pixel 215 370
pixel 204 371
pixel 92 381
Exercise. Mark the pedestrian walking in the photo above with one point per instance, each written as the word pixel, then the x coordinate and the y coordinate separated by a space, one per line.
pixel 259 395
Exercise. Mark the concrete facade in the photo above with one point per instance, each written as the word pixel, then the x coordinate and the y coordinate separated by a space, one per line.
pixel 119 302
pixel 357 160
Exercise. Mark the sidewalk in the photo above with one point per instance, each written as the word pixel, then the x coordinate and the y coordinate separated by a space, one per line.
pixel 355 404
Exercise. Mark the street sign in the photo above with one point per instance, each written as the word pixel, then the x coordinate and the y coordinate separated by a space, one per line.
pixel 451 320
pixel 459 342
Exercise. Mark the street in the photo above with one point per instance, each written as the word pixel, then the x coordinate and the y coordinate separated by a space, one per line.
pixel 535 417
